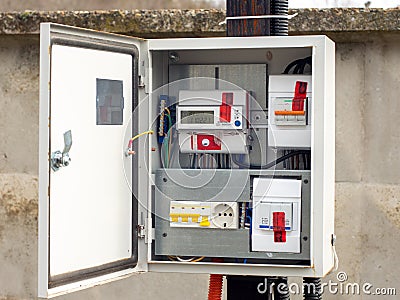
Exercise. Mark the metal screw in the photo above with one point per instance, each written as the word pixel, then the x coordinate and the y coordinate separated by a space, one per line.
pixel 174 57
pixel 269 55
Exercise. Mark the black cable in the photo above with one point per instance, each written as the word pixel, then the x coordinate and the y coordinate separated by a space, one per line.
pixel 279 26
pixel 201 161
pixel 307 61
pixel 272 163
pixel 284 162
pixel 291 65
pixel 193 163
pixel 299 65
pixel 312 288
pixel 292 162
pixel 281 289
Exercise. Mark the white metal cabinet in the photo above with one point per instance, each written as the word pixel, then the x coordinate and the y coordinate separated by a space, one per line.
pixel 87 238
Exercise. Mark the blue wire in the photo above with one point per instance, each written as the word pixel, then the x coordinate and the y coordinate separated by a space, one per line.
pixel 251 229
pixel 248 210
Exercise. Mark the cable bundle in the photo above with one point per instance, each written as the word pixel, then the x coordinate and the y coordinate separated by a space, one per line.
pixel 298 65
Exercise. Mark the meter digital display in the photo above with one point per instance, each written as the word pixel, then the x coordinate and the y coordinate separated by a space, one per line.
pixel 197 117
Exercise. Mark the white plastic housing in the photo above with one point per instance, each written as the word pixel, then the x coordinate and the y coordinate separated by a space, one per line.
pixel 288 131
pixel 276 195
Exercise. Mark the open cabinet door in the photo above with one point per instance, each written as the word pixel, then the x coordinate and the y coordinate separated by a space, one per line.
pixel 87 211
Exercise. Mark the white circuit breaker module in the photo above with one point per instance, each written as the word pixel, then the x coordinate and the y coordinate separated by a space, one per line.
pixel 289 115
pixel 277 215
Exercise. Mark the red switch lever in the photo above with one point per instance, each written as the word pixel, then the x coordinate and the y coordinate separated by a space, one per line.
pixel 279 227
pixel 300 95
pixel 225 108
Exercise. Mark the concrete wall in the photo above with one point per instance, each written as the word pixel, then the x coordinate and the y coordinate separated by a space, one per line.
pixel 367 175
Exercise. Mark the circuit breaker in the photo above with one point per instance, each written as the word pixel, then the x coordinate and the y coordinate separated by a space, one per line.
pixel 289 119
pixel 277 215
pixel 211 155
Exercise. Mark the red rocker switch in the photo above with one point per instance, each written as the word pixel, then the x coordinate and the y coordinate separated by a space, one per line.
pixel 300 96
pixel 279 227
pixel 225 108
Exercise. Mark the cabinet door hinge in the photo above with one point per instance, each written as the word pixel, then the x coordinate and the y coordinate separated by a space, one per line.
pixel 141 231
pixel 142 74
pixel 141 83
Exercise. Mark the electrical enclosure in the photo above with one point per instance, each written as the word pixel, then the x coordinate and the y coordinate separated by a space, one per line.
pixel 211 155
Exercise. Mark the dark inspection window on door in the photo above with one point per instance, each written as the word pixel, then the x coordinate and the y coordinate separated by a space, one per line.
pixel 109 102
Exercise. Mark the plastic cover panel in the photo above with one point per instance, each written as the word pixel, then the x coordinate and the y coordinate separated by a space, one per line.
pixel 109 102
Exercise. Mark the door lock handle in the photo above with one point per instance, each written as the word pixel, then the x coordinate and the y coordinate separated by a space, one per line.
pixel 62 159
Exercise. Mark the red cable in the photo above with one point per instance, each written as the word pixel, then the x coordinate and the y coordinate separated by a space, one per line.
pixel 215 287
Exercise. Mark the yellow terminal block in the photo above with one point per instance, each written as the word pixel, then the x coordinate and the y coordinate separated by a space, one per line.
pixel 190 214
pixel 184 218
pixel 204 222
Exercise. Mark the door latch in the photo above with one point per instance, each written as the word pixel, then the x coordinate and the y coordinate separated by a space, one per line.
pixel 61 159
